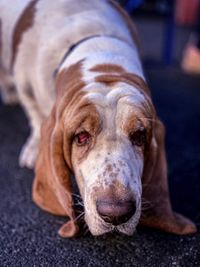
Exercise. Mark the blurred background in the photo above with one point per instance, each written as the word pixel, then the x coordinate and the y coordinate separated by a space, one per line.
pixel 165 27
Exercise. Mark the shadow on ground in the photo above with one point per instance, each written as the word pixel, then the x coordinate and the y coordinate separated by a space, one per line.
pixel 28 236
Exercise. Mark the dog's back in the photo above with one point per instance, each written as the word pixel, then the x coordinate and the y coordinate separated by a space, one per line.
pixel 54 27
pixel 36 35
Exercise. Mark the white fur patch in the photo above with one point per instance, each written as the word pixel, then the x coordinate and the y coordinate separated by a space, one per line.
pixel 113 159
pixel 109 95
pixel 127 169
pixel 102 50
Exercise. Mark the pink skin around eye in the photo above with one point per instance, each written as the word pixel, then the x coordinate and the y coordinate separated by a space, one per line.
pixel 83 137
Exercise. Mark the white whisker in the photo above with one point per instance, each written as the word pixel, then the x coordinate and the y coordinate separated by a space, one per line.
pixel 76 195
pixel 79 216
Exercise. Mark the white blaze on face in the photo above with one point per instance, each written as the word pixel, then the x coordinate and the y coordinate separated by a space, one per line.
pixel 113 160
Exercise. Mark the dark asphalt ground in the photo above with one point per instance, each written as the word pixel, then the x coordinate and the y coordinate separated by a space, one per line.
pixel 28 236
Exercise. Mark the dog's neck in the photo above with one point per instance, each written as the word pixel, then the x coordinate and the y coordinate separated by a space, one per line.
pixel 99 50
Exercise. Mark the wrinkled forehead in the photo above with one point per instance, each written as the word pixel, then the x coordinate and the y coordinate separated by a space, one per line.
pixel 119 100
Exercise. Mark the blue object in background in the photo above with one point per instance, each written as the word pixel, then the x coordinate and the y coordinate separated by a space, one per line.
pixel 132 4
pixel 168 40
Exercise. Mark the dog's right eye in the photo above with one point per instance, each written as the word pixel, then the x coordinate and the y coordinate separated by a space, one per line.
pixel 138 138
pixel 82 138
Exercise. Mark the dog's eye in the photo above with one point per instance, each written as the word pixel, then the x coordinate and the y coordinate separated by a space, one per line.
pixel 138 138
pixel 82 138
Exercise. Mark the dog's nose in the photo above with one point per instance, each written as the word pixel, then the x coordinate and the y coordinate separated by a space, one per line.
pixel 115 211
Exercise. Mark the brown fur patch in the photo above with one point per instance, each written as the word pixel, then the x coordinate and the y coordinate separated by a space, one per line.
pixel 156 192
pixel 125 77
pixel 69 80
pixel 23 24
pixel 131 79
pixel 52 185
pixel 108 68
pixel 77 114
pixel 110 72
pixel 131 26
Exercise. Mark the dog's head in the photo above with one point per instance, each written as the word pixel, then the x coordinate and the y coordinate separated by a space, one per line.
pixel 105 133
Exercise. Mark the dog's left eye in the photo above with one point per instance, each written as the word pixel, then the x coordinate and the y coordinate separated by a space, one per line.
pixel 138 138
pixel 82 138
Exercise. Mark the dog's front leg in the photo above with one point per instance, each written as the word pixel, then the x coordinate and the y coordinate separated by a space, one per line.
pixel 29 151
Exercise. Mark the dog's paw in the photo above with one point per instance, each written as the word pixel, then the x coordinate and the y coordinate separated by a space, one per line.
pixel 29 153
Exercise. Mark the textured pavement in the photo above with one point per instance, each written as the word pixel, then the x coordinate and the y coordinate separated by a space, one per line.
pixel 28 235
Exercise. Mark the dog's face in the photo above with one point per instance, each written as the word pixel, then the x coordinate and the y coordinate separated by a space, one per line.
pixel 107 134
pixel 108 148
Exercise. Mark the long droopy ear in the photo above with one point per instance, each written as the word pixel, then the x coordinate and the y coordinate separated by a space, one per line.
pixel 159 214
pixel 52 186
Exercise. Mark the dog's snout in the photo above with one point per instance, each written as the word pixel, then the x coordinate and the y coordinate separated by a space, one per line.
pixel 115 211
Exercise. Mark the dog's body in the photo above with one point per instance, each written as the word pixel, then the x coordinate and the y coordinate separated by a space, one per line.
pixel 76 68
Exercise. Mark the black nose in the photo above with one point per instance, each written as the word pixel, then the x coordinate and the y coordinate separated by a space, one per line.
pixel 115 211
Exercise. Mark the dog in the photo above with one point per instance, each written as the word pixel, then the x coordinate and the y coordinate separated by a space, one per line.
pixel 78 75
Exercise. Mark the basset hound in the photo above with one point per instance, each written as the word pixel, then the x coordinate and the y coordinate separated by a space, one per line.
pixel 79 78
